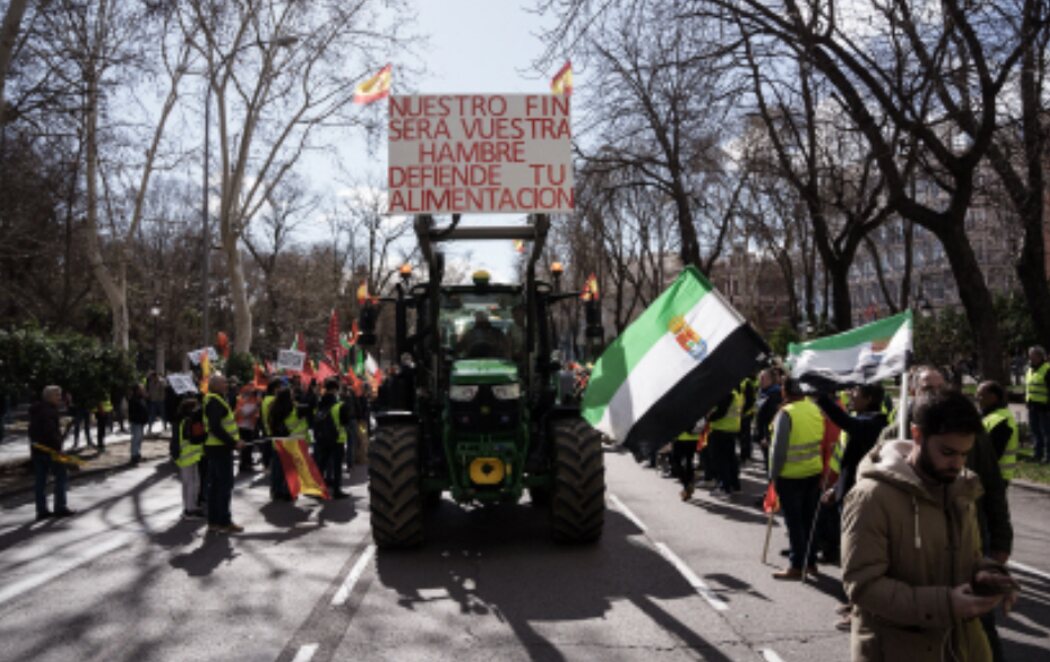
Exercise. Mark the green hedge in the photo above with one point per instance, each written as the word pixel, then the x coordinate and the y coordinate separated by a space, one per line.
pixel 31 358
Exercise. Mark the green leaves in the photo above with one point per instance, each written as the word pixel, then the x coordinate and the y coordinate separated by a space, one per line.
pixel 31 358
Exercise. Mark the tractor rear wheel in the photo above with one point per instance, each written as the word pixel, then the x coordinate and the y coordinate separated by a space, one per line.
pixel 394 486
pixel 577 496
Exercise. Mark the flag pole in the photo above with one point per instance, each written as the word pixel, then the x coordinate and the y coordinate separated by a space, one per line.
pixel 769 533
pixel 902 408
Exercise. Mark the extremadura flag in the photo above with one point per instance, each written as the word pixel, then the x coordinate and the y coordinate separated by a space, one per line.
pixel 671 366
pixel 867 354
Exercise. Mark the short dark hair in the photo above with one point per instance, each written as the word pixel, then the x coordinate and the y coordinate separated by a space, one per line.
pixel 793 387
pixel 996 389
pixel 946 412
pixel 331 384
pixel 875 395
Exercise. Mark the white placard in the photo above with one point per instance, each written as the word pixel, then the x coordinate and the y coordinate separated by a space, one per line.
pixel 195 355
pixel 182 382
pixel 472 153
pixel 290 359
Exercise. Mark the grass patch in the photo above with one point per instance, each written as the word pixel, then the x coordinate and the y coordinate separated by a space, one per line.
pixel 1029 469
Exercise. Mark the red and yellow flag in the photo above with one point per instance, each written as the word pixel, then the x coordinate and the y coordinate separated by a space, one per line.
pixel 364 297
pixel 590 289
pixel 205 370
pixel 519 246
pixel 771 503
pixel 375 88
pixel 562 81
pixel 300 472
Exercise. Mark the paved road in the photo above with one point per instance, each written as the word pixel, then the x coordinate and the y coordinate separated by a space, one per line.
pixel 127 580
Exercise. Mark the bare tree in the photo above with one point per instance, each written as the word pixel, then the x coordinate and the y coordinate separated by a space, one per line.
pixel 279 71
pixel 16 10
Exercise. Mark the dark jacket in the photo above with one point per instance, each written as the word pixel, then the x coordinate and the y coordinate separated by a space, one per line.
pixel 44 426
pixel 138 412
pixel 863 430
pixel 767 406
pixel 993 510
pixel 214 412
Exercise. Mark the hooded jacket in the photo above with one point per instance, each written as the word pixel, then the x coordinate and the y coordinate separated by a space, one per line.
pixel 905 545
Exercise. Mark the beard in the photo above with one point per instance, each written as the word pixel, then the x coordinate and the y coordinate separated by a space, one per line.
pixel 942 476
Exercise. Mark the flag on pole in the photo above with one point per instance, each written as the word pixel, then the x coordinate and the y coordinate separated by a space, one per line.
pixel 374 88
pixel 331 340
pixel 260 378
pixel 562 81
pixel 298 343
pixel 864 355
pixel 590 289
pixel 671 365
pixel 205 371
pixel 325 370
pixel 222 341
pixel 300 471
pixel 771 502
pixel 519 246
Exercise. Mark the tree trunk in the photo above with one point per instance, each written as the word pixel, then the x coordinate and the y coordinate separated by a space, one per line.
pixel 842 305
pixel 1031 272
pixel 16 9
pixel 977 302
pixel 242 313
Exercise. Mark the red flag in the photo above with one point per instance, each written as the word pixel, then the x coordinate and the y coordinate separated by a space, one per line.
pixel 325 370
pixel 771 503
pixel 590 289
pixel 331 339
pixel 223 343
pixel 562 81
pixel 301 340
pixel 355 382
pixel 260 378
pixel 308 371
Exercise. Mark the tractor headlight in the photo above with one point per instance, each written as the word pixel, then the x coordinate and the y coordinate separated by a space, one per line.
pixel 507 391
pixel 462 393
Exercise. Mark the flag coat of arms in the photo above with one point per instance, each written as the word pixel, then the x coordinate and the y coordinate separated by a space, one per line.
pixel 671 365
pixel 864 355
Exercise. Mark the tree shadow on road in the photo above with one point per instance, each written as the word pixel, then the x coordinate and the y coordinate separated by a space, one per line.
pixel 500 561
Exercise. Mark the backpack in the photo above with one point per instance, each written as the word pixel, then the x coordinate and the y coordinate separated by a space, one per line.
pixel 325 430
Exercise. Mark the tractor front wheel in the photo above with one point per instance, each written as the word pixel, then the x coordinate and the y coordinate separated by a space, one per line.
pixel 394 486
pixel 577 496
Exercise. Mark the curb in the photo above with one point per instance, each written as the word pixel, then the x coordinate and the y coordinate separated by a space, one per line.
pixel 1033 487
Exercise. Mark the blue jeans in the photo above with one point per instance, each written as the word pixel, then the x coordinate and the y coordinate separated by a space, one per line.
pixel 799 498
pixel 156 413
pixel 137 430
pixel 1039 424
pixel 42 465
pixel 220 487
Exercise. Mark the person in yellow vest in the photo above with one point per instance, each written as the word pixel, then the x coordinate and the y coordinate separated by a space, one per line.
pixel 1037 397
pixel 682 451
pixel 1001 426
pixel 223 438
pixel 795 466
pixel 330 437
pixel 725 421
pixel 189 435
pixel 266 450
pixel 247 414
pixel 748 388
pixel 286 419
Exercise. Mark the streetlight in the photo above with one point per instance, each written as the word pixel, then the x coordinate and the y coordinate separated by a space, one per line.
pixel 158 358
pixel 406 273
pixel 556 271
pixel 281 42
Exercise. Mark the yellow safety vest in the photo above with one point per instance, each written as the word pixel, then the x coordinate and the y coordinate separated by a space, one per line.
pixel 267 403
pixel 189 454
pixel 807 431
pixel 1035 384
pixel 106 407
pixel 1008 461
pixel 297 427
pixel 731 421
pixel 229 423
pixel 337 409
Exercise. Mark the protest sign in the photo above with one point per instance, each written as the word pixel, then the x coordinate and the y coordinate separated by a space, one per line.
pixel 471 153
pixel 182 382
pixel 290 359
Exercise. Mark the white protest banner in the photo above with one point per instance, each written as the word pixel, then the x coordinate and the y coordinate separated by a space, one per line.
pixel 195 355
pixel 182 382
pixel 290 359
pixel 471 153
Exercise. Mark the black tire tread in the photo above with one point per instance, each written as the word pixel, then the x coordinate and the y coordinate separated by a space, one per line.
pixel 577 496
pixel 394 487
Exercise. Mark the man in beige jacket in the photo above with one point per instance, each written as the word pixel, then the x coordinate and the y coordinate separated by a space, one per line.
pixel 911 549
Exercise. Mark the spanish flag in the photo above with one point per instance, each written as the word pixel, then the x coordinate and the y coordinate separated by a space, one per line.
pixel 519 246
pixel 562 81
pixel 375 88
pixel 590 289
pixel 205 370
pixel 300 471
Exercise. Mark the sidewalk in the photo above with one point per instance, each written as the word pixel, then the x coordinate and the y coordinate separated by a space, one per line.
pixel 16 474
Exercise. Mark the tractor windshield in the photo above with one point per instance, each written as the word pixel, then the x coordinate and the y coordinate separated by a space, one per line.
pixel 487 325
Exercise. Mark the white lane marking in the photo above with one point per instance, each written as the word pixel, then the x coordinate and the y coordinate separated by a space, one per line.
pixel 1029 569
pixel 619 505
pixel 698 584
pixel 61 566
pixel 770 655
pixel 343 594
pixel 306 653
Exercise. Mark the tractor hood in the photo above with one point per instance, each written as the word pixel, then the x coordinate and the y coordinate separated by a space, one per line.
pixel 484 371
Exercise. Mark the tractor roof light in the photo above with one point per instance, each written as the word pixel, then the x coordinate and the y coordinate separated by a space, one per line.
pixel 481 278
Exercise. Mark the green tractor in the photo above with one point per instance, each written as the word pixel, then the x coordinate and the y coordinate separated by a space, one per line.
pixel 478 414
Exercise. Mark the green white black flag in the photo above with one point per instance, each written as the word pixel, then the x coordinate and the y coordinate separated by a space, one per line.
pixel 671 365
pixel 863 355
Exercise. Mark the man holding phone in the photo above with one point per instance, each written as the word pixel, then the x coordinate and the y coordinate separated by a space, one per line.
pixel 911 552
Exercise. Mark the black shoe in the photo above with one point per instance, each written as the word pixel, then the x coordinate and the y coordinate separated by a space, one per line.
pixel 340 495
pixel 65 512
pixel 43 515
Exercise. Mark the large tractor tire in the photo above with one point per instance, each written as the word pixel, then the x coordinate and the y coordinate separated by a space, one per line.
pixel 577 497
pixel 394 486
